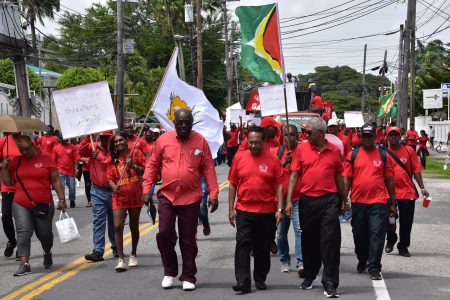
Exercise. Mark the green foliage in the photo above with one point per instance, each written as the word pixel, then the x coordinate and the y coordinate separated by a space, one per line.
pixel 435 169
pixel 343 85
pixel 79 76
pixel 7 76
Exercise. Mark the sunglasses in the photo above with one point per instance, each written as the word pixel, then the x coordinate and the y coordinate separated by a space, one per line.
pixel 310 132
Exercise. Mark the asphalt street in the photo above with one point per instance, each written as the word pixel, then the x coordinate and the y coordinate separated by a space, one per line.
pixel 424 275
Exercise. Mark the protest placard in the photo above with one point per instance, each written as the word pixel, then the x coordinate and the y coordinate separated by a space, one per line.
pixel 85 109
pixel 353 119
pixel 272 99
pixel 235 114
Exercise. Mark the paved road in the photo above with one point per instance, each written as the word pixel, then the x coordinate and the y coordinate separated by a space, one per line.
pixel 425 275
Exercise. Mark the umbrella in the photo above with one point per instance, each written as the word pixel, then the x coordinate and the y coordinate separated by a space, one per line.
pixel 10 123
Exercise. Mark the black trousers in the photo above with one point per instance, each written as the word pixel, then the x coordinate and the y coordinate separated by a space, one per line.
pixel 255 231
pixel 321 236
pixel 7 216
pixel 87 184
pixel 405 218
pixel 231 152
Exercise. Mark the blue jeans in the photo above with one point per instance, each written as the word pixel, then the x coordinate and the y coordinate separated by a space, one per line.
pixel 369 232
pixel 204 204
pixel 282 236
pixel 70 182
pixel 102 212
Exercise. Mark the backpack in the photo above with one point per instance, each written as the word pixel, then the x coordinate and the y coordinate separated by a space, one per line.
pixel 280 151
pixel 380 150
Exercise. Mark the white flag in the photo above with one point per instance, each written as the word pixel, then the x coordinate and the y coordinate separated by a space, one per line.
pixel 174 94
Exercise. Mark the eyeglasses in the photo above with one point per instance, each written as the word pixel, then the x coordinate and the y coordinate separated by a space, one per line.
pixel 310 132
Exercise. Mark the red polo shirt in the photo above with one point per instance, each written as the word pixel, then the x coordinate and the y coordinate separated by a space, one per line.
pixel 256 178
pixel 141 144
pixel 317 169
pixel 404 189
pixel 233 140
pixel 181 164
pixel 368 173
pixel 47 143
pixel 411 137
pixel 97 166
pixel 65 157
pixel 287 173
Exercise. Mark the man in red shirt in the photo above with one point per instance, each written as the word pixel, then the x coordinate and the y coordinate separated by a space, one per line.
pixel 256 176
pixel 141 145
pixel 181 157
pixel 406 166
pixel 333 128
pixel 232 143
pixel 316 103
pixel 368 172
pixel 271 131
pixel 47 142
pixel 284 153
pixel 65 155
pixel 318 164
pixel 411 137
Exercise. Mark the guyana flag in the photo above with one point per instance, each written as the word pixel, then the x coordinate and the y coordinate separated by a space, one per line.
pixel 387 107
pixel 261 50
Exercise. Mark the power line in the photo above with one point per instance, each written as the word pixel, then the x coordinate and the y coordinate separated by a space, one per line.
pixel 316 13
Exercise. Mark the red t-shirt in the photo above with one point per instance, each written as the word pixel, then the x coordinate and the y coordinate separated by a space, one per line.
pixel 287 173
pixel 256 178
pixel 148 149
pixel 65 157
pixel 130 192
pixel 47 143
pixel 404 189
pixel 317 102
pixel 368 173
pixel 233 140
pixel 411 137
pixel 302 137
pixel 11 151
pixel 355 140
pixel 317 169
pixel 141 144
pixel 35 176
pixel 346 142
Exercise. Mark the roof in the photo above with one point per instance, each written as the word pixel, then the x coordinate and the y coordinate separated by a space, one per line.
pixel 44 72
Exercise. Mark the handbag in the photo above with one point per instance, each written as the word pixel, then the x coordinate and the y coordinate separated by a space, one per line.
pixel 40 210
pixel 67 229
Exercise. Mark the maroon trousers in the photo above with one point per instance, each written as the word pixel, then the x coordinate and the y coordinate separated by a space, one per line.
pixel 167 237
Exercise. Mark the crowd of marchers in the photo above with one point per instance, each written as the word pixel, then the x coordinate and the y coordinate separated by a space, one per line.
pixel 278 175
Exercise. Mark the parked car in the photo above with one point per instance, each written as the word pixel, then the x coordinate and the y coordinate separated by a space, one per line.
pixel 297 118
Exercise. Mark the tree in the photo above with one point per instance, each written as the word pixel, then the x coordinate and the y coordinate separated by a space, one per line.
pixel 37 10
pixel 7 76
pixel 79 76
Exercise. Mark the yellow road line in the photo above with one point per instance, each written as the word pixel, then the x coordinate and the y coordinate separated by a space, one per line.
pixel 74 267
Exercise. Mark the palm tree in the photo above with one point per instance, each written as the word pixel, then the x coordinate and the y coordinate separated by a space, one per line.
pixel 38 10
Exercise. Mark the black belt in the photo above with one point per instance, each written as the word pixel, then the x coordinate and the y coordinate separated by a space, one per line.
pixel 106 189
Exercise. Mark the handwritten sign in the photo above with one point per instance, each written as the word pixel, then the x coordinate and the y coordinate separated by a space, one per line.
pixel 272 99
pixel 235 114
pixel 353 119
pixel 85 109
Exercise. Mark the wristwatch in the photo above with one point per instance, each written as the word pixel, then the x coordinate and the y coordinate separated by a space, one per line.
pixel 281 210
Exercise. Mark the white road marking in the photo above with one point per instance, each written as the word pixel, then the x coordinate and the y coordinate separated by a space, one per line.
pixel 381 290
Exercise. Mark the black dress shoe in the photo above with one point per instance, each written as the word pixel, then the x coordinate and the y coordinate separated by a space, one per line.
pixel 404 252
pixel 388 248
pixel 241 288
pixel 261 285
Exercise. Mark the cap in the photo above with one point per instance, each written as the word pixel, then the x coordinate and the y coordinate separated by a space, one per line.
pixel 394 129
pixel 270 121
pixel 367 128
pixel 333 122
pixel 106 133
pixel 155 130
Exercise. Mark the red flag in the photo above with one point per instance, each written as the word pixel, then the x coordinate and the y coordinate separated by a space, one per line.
pixel 253 102
pixel 327 110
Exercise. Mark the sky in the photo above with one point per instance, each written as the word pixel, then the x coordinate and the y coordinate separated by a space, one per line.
pixel 303 53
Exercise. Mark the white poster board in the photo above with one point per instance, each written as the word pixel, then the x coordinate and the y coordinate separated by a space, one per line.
pixel 256 121
pixel 272 99
pixel 432 99
pixel 85 109
pixel 235 114
pixel 353 119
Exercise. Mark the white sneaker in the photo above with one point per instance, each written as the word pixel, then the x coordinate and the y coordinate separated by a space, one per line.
pixel 121 266
pixel 188 286
pixel 167 282
pixel 133 261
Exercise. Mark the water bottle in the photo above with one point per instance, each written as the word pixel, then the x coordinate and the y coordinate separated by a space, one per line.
pixel 391 225
pixel 426 201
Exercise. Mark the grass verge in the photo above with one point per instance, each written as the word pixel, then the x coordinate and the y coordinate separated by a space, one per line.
pixel 435 169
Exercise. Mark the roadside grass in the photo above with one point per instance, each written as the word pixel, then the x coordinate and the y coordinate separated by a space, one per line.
pixel 435 169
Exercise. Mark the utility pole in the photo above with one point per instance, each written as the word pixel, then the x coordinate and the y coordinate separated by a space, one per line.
pixel 399 76
pixel 178 42
pixel 227 53
pixel 20 70
pixel 406 62
pixel 412 64
pixel 189 19
pixel 383 74
pixel 198 14
pixel 363 98
pixel 120 67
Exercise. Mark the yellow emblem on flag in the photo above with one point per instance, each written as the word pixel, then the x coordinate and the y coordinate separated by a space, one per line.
pixel 175 104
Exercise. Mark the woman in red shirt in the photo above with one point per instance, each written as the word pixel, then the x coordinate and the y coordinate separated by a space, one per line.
pixel 127 193
pixel 422 152
pixel 33 175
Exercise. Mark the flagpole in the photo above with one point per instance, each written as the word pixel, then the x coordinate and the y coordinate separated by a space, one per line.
pixel 146 116
pixel 283 75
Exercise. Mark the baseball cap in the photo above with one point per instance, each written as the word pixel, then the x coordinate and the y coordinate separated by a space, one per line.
pixel 394 129
pixel 106 133
pixel 270 121
pixel 333 122
pixel 155 130
pixel 367 128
